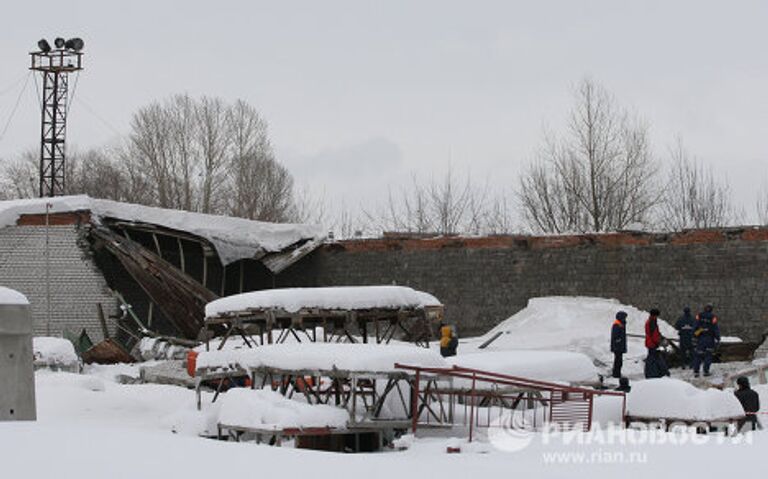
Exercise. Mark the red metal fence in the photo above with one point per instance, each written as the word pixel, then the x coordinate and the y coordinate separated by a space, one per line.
pixel 477 398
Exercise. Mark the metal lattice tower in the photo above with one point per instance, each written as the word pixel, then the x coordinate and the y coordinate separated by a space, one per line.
pixel 55 66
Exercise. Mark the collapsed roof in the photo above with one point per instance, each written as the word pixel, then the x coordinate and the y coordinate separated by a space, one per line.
pixel 276 245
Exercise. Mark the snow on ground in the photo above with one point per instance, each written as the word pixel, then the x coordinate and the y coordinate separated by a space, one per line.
pixel 559 366
pixel 269 410
pixel 96 400
pixel 341 297
pixel 54 352
pixel 11 296
pixel 579 324
pixel 91 427
pixel 233 238
pixel 675 399
pixel 325 356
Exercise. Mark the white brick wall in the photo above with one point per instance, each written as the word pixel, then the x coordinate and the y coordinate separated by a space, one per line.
pixel 76 284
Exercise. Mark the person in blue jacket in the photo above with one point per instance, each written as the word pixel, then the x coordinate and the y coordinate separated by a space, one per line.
pixel 619 342
pixel 684 327
pixel 706 333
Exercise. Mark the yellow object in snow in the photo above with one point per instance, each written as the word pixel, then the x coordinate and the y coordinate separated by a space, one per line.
pixel 446 333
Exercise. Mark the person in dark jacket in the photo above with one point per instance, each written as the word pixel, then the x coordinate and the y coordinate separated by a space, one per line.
pixel 750 401
pixel 655 365
pixel 684 327
pixel 706 333
pixel 619 342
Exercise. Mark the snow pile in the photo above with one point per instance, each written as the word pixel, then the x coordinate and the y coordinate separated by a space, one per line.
pixel 340 297
pixel 556 366
pixel 233 238
pixel 266 409
pixel 580 324
pixel 323 356
pixel 11 296
pixel 675 399
pixel 56 353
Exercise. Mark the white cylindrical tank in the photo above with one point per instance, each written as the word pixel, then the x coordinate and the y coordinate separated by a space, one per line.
pixel 17 377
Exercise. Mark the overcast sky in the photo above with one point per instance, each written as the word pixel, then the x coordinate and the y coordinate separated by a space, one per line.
pixel 360 94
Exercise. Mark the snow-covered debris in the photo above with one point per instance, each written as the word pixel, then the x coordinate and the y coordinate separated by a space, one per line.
pixel 269 410
pixel 233 238
pixel 556 366
pixel 156 348
pixel 580 324
pixel 341 297
pixel 56 353
pixel 322 356
pixel 12 297
pixel 675 399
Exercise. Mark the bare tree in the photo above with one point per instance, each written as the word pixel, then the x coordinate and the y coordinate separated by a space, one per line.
pixel 183 129
pixel 213 141
pixel 95 174
pixel 258 187
pixel 150 148
pixel 184 153
pixel 19 177
pixel 448 205
pixel 348 224
pixel 596 177
pixel 449 201
pixel 500 217
pixel 762 205
pixel 693 197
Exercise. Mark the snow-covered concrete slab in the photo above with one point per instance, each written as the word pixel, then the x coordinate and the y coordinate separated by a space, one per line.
pixel 268 410
pixel 338 298
pixel 668 398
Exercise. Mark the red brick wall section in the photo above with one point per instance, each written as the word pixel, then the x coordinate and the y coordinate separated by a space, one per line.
pixel 608 240
pixel 57 219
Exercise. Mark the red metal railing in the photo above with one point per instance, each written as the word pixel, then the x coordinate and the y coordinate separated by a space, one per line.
pixel 565 405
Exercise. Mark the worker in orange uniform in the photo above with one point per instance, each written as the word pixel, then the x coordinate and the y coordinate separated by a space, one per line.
pixel 448 340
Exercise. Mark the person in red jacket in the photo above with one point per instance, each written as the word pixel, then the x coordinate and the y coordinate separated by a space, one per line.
pixel 655 366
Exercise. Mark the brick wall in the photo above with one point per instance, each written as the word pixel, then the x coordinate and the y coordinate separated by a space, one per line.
pixel 485 280
pixel 76 285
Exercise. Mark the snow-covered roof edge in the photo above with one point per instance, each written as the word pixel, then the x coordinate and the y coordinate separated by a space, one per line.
pixel 233 238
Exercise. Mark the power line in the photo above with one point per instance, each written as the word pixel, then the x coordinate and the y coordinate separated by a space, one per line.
pixel 93 112
pixel 12 85
pixel 15 107
pixel 74 90
pixel 37 93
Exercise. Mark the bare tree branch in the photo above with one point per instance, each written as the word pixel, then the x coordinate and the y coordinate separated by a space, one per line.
pixel 596 177
pixel 693 197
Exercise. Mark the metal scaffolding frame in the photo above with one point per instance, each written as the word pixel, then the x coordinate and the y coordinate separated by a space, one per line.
pixel 434 398
pixel 258 326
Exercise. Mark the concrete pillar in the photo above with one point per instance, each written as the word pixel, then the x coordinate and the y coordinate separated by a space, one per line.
pixel 17 377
